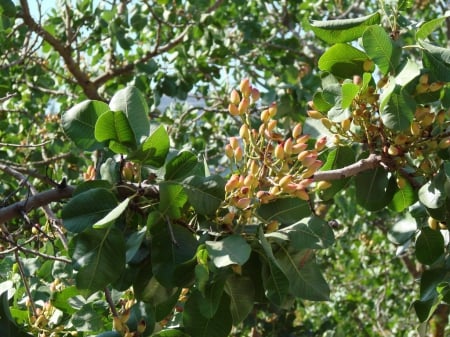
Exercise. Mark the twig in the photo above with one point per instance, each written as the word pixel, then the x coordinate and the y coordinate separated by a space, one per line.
pixel 25 145
pixel 7 97
pixel 25 282
pixel 172 235
pixel 112 307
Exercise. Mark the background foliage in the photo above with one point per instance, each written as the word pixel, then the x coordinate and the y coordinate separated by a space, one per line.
pixel 120 111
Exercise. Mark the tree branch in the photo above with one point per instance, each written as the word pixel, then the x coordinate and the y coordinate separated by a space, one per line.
pixel 89 88
pixel 371 162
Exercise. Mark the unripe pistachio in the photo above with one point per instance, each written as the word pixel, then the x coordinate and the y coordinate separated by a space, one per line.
pixel 279 152
pixel 440 117
pixel 249 180
pixel 425 165
pixel 400 139
pixel 141 326
pixel 274 190
pixel 308 173
pixel 273 109
pixel 303 184
pixel 422 88
pixel 128 171
pixel 336 140
pixel 302 155
pixel 234 142
pixel 415 129
pixel 308 160
pixel 243 203
pixel 423 79
pixel 421 111
pixel 393 150
pixel 289 188
pixel 233 109
pixel 285 180
pixel 288 145
pixel 443 226
pixel 229 151
pixel 243 106
pixel 297 130
pixel 302 139
pixel 302 194
pixel 232 183
pixel 245 87
pixel 436 86
pixel 357 79
pixel 327 123
pixel 264 197
pixel 427 120
pixel 255 95
pixel 265 116
pixel 433 223
pixel 382 82
pixel 234 97
pixel 244 190
pixel 244 133
pixel 271 125
pixel 368 66
pixel 444 143
pixel 320 143
pixel 238 154
pixel 345 124
pixel 272 226
pixel 314 114
pixel 323 185
pixel 118 324
pixel 401 182
pixel 297 148
pixel 254 167
pixel 125 315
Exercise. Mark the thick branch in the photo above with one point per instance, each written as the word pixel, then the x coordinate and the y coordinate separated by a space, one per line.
pixel 368 163
pixel 82 78
pixel 41 199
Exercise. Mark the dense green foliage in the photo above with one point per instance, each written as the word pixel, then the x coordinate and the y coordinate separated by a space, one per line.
pixel 297 184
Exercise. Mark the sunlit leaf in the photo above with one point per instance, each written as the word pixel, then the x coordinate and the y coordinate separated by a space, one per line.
pixel 343 60
pixel 241 291
pixel 154 149
pixel 231 250
pixel 287 211
pixel 116 212
pixel 205 194
pixel 113 127
pixel 314 233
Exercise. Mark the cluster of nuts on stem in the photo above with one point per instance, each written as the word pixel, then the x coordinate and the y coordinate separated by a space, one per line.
pixel 416 146
pixel 266 164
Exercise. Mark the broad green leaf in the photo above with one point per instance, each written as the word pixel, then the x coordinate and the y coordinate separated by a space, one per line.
pixel 142 312
pixel 201 277
pixel 373 189
pixel 343 30
pixel 321 103
pixel 437 59
pixel 172 250
pixel 172 199
pixel 403 230
pixel 8 8
pixel 87 319
pixel 132 103
pixel 429 26
pixel 275 281
pixel 99 257
pixel 209 302
pixel 79 124
pixel 92 184
pixel 113 127
pixel 380 48
pixel 343 60
pixel 86 208
pixel 433 194
pixel 61 299
pixel 197 325
pixel 287 211
pixel 109 171
pixel 305 278
pixel 180 166
pixel 429 245
pixel 408 73
pixel 205 194
pixel 403 198
pixel 241 291
pixel 349 92
pixel 337 158
pixel 109 218
pixel 8 326
pixel 171 333
pixel 231 250
pixel 134 243
pixel 397 109
pixel 153 151
pixel 313 233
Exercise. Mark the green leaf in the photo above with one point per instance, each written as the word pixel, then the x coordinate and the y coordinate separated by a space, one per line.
pixel 275 281
pixel 407 74
pixel 134 243
pixel 153 151
pixel 231 250
pixel 397 108
pixel 109 171
pixel 169 257
pixel 303 273
pixel 171 333
pixel 437 59
pixel 429 245
pixel 403 230
pixel 109 218
pixel 241 291
pixel 8 326
pixel 287 211
pixel 433 194
pixel 430 26
pixel 339 157
pixel 61 299
pixel 86 208
pixel 205 194
pixel 380 48
pixel 209 301
pixel 403 198
pixel 132 103
pixel 199 326
pixel 87 319
pixel 373 189
pixel 8 8
pixel 79 124
pixel 172 198
pixel 314 233
pixel 180 166
pixel 99 257
pixel 349 92
pixel 343 60
pixel 113 127
pixel 343 30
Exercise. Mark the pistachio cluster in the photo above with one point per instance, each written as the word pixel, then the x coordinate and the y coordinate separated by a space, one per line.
pixel 266 164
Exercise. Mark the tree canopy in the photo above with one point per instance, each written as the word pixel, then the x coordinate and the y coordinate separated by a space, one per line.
pixel 224 168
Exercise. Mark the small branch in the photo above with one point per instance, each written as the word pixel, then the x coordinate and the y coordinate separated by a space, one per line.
pixel 112 307
pixel 371 162
pixel 25 145
pixel 7 97
pixel 25 282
